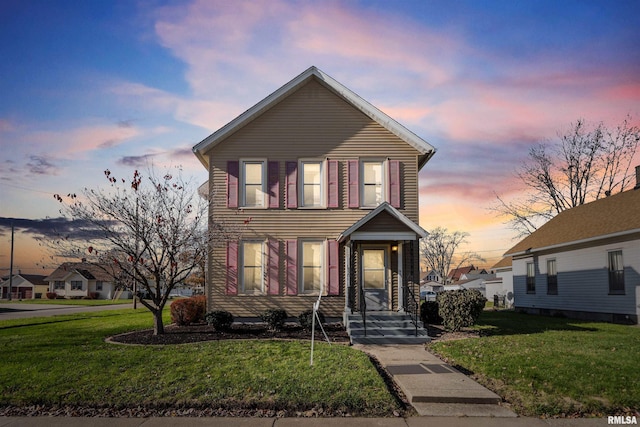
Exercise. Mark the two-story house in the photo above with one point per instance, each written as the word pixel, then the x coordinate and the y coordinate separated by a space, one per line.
pixel 330 185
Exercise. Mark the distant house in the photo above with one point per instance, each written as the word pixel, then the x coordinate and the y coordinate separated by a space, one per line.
pixel 432 276
pixel 583 263
pixel 24 286
pixel 502 285
pixel 81 279
pixel 464 273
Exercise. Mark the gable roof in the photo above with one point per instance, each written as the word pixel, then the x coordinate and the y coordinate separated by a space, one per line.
pixel 612 216
pixel 455 273
pixel 503 263
pixel 34 279
pixel 85 269
pixel 425 149
pixel 383 207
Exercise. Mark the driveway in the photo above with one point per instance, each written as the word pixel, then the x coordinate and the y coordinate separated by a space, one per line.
pixel 23 311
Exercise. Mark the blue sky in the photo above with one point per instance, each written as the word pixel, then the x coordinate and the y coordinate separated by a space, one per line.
pixel 94 85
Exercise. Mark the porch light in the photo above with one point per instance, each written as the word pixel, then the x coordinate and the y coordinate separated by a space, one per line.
pixel 394 248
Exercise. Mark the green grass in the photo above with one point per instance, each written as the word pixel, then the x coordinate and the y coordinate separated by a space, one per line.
pixel 64 360
pixel 549 366
pixel 88 302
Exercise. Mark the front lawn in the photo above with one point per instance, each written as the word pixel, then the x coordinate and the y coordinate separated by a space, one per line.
pixel 64 360
pixel 548 366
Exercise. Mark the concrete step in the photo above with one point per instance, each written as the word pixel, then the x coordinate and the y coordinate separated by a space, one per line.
pixel 385 328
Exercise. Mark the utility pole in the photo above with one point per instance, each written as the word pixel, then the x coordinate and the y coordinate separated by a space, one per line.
pixel 11 263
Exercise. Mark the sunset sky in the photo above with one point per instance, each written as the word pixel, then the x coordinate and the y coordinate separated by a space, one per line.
pixel 92 85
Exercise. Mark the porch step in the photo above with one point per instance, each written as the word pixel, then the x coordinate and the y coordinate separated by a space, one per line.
pixel 385 328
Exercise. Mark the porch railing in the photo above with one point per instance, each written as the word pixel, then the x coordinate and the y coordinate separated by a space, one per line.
pixel 411 305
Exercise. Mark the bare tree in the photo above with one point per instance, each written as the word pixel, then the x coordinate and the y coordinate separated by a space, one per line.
pixel 439 251
pixel 151 233
pixel 585 164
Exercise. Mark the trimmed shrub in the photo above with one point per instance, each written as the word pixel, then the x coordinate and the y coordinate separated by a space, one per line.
pixel 429 313
pixel 185 311
pixel 306 318
pixel 460 309
pixel 201 302
pixel 274 318
pixel 221 320
pixel 52 295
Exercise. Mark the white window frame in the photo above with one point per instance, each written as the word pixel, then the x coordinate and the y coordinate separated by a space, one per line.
pixel 555 265
pixel 58 285
pixel 323 183
pixel 241 268
pixel 610 270
pixel 301 266
pixel 99 285
pixel 533 277
pixel 243 187
pixel 74 283
pixel 384 184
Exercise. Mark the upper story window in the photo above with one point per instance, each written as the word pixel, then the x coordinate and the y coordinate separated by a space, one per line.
pixel 616 273
pixel 552 277
pixel 373 181
pixel 312 183
pixel 372 184
pixel 531 278
pixel 253 178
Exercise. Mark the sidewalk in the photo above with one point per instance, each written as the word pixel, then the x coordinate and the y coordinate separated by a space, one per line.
pixel 295 422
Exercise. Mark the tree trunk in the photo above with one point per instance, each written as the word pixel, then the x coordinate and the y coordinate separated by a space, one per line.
pixel 158 326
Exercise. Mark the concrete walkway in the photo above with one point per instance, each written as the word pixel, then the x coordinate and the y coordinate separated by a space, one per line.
pixel 433 387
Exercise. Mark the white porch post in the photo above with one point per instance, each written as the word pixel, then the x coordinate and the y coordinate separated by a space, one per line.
pixel 400 278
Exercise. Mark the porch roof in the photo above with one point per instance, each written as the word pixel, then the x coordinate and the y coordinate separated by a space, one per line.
pixel 411 230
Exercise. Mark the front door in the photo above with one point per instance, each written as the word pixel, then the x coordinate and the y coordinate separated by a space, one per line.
pixel 374 278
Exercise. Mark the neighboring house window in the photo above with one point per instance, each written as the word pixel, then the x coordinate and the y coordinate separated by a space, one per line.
pixel 531 278
pixel 616 273
pixel 372 183
pixel 76 285
pixel 251 268
pixel 312 183
pixel 552 277
pixel 98 285
pixel 253 183
pixel 58 284
pixel 312 267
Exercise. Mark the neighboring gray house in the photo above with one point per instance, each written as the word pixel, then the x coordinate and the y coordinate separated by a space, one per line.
pixel 584 263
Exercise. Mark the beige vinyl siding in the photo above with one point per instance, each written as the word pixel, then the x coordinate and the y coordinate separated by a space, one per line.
pixel 311 123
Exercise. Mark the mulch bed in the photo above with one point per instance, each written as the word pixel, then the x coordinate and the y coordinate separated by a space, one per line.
pixel 245 331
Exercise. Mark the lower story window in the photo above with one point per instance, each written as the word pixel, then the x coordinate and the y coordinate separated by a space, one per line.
pixel 76 285
pixel 311 267
pixel 252 277
pixel 616 273
pixel 552 277
pixel 531 278
pixel 98 285
pixel 58 284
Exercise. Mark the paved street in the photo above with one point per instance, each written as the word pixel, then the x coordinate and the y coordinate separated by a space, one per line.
pixel 22 311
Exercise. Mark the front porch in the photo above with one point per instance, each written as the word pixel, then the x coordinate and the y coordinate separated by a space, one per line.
pixel 382 278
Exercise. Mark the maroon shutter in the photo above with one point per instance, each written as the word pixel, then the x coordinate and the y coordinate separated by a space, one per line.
pixel 274 184
pixel 233 171
pixel 273 277
pixel 332 181
pixel 232 268
pixel 394 183
pixel 292 267
pixel 353 186
pixel 333 255
pixel 292 185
